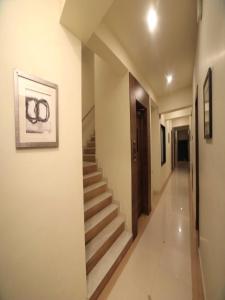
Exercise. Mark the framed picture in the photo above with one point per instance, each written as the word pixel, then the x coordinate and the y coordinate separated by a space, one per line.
pixel 163 144
pixel 199 10
pixel 207 98
pixel 36 112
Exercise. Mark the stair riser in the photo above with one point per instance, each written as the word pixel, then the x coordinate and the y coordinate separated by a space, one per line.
pixel 89 151
pixel 92 139
pixel 100 253
pixel 91 144
pixel 94 210
pixel 90 169
pixel 94 231
pixel 92 180
pixel 110 273
pixel 95 192
pixel 89 158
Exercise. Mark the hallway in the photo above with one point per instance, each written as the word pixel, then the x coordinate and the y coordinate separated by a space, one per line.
pixel 159 267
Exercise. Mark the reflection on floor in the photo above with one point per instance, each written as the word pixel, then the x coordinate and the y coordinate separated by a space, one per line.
pixel 159 264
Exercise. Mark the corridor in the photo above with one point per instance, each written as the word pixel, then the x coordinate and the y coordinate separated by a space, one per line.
pixel 159 267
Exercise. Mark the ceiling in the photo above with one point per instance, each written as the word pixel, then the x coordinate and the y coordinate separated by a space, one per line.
pixel 170 49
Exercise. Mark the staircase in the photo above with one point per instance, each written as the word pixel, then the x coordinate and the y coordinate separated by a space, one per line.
pixel 106 238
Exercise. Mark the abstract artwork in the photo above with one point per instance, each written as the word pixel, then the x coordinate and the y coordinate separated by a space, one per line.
pixel 207 97
pixel 36 112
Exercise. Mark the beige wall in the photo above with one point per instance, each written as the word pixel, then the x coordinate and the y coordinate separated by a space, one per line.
pixel 113 52
pixel 179 113
pixel 160 173
pixel 155 150
pixel 166 168
pixel 211 53
pixel 175 101
pixel 113 132
pixel 88 94
pixel 185 121
pixel 41 212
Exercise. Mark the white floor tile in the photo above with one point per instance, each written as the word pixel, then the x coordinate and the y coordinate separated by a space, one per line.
pixel 160 265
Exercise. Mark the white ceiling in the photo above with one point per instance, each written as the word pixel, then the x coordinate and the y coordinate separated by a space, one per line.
pixel 170 49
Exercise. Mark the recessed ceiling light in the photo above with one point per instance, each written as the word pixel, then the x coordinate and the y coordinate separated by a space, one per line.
pixel 169 78
pixel 152 19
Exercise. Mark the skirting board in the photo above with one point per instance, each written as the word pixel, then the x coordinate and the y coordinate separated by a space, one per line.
pixel 202 273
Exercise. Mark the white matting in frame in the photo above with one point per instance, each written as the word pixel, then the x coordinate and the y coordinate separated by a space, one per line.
pixel 36 112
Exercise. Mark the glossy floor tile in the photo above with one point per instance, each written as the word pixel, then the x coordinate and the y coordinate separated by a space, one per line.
pixel 159 267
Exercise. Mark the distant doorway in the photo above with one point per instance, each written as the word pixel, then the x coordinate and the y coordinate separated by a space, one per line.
pixel 180 146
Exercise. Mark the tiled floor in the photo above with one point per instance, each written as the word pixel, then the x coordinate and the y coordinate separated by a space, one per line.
pixel 159 267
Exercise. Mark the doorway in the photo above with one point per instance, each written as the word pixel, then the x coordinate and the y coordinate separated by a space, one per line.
pixel 197 164
pixel 142 167
pixel 140 152
pixel 180 146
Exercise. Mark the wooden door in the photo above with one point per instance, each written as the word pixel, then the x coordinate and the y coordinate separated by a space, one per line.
pixel 138 96
pixel 197 163
pixel 141 128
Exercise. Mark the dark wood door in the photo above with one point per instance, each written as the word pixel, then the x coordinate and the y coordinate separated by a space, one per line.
pixel 197 164
pixel 141 127
pixel 138 96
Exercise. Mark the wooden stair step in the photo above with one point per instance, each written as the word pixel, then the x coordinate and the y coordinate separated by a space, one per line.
pixel 95 224
pixel 91 144
pixel 98 246
pixel 100 275
pixel 89 167
pixel 96 204
pixel 94 190
pixel 89 150
pixel 92 178
pixel 89 157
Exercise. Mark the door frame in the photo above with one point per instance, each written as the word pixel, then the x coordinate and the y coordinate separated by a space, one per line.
pixel 137 93
pixel 197 194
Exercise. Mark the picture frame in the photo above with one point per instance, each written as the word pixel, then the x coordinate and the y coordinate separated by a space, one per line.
pixel 199 10
pixel 163 144
pixel 207 104
pixel 36 112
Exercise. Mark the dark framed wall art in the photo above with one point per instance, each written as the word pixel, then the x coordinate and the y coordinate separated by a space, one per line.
pixel 207 100
pixel 36 112
pixel 163 144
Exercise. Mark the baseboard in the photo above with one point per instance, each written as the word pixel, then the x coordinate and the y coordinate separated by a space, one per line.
pixel 202 274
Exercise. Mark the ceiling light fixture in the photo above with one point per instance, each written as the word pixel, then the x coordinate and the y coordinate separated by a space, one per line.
pixel 152 19
pixel 169 78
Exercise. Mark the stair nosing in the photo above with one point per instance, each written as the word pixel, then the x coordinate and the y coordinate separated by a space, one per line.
pixel 99 217
pixel 115 252
pixel 89 164
pixel 94 186
pixel 102 237
pixel 89 204
pixel 87 176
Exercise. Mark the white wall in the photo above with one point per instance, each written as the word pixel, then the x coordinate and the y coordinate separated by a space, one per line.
pixel 113 132
pixel 41 210
pixel 175 101
pixel 88 94
pixel 211 53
